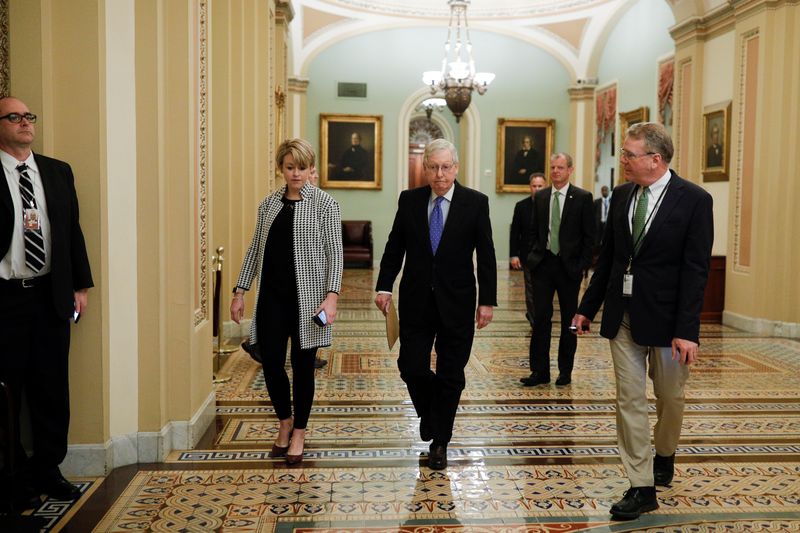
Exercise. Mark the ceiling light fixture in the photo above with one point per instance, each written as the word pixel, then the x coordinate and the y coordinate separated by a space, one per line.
pixel 457 78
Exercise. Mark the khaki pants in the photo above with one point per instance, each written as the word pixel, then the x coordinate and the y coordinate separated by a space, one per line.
pixel 633 427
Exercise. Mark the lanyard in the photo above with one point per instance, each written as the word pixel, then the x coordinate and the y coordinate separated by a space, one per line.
pixel 646 222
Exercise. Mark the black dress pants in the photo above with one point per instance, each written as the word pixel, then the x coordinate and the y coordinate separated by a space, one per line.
pixel 34 354
pixel 277 322
pixel 551 278
pixel 435 395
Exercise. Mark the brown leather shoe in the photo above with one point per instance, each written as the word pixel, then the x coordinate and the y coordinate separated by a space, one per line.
pixel 294 459
pixel 278 451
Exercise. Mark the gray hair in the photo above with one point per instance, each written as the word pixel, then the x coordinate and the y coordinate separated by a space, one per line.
pixel 438 145
pixel 565 155
pixel 656 139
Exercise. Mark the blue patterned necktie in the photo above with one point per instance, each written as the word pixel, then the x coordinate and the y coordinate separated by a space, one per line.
pixel 437 223
pixel 34 242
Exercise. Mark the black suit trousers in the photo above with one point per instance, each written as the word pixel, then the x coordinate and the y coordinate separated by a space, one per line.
pixel 435 395
pixel 34 362
pixel 551 278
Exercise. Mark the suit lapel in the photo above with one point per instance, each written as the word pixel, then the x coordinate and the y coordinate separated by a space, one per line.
pixel 671 199
pixel 50 196
pixel 420 216
pixel 626 222
pixel 5 193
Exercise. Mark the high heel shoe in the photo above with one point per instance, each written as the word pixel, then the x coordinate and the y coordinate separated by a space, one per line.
pixel 294 459
pixel 278 451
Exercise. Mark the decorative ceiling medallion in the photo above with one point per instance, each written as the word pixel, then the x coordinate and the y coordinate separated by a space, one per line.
pixel 480 9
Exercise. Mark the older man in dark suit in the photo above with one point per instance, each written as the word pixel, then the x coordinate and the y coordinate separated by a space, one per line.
pixel 562 235
pixel 437 228
pixel 650 276
pixel 44 279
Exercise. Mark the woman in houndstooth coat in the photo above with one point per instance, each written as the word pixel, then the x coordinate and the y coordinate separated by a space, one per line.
pixel 296 252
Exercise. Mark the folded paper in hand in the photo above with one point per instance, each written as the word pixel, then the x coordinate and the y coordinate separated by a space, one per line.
pixel 392 325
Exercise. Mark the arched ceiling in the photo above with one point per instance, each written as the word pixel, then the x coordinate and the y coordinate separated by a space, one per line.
pixel 570 30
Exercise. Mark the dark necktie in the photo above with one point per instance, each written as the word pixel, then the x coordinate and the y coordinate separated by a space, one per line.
pixel 437 223
pixel 34 242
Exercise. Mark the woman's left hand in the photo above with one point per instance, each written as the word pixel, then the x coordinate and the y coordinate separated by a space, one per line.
pixel 329 305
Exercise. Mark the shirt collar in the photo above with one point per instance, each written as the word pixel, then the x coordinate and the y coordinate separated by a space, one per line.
pixel 658 186
pixel 10 163
pixel 447 196
pixel 562 190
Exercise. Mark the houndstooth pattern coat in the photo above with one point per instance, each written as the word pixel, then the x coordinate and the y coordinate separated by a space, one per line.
pixel 317 234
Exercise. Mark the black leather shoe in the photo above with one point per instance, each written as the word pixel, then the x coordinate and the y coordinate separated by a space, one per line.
pixel 563 380
pixel 425 431
pixel 437 457
pixel 533 380
pixel 320 363
pixel 663 470
pixel 637 500
pixel 58 488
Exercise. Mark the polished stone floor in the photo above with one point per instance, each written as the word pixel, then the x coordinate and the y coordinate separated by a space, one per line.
pixel 522 459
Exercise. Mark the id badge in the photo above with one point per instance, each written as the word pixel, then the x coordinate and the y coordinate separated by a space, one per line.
pixel 627 284
pixel 30 220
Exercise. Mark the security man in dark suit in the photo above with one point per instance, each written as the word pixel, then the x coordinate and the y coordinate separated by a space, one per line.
pixel 520 239
pixel 437 228
pixel 562 237
pixel 601 206
pixel 650 278
pixel 44 279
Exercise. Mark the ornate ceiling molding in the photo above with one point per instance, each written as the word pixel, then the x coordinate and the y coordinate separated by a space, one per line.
pixel 478 10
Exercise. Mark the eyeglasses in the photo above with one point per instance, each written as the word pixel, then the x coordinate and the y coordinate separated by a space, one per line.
pixel 447 167
pixel 630 156
pixel 16 118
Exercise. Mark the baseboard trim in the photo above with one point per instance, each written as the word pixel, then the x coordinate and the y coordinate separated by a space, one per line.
pixel 761 326
pixel 143 447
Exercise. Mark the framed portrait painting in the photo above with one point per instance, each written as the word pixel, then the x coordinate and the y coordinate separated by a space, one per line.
pixel 626 120
pixel 351 151
pixel 716 142
pixel 523 148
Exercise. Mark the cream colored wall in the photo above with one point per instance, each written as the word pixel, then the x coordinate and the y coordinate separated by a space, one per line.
pixel 242 154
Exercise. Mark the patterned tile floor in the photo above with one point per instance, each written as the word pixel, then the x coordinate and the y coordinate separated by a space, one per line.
pixel 522 459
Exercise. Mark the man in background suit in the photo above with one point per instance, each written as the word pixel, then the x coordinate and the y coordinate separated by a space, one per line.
pixel 651 276
pixel 44 279
pixel 601 206
pixel 562 236
pixel 520 238
pixel 437 228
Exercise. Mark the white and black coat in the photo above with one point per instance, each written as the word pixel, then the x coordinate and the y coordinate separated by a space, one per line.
pixel 317 237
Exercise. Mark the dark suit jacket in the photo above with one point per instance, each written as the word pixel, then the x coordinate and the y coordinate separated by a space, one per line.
pixel 450 273
pixel 520 235
pixel 599 226
pixel 69 262
pixel 669 272
pixel 576 236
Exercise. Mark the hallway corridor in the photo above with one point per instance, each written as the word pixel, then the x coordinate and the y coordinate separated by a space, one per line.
pixel 522 458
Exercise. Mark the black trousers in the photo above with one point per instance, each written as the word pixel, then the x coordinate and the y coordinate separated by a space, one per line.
pixel 551 278
pixel 277 322
pixel 34 354
pixel 435 395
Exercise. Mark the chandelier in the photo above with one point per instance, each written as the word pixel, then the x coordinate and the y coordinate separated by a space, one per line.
pixel 429 105
pixel 457 78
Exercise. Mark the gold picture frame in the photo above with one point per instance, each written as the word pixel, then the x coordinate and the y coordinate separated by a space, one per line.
pixel 513 159
pixel 716 142
pixel 626 120
pixel 351 151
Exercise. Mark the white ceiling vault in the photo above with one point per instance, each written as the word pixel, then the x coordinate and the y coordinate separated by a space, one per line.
pixel 573 31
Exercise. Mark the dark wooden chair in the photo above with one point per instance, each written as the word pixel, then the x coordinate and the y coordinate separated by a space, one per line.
pixel 357 243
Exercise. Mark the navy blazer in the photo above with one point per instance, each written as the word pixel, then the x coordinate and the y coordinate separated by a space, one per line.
pixel 576 234
pixel 669 272
pixel 69 262
pixel 450 273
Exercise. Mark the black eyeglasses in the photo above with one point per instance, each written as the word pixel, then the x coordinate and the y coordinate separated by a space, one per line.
pixel 16 118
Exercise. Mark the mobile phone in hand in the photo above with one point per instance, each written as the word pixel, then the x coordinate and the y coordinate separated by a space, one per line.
pixel 320 319
pixel 76 316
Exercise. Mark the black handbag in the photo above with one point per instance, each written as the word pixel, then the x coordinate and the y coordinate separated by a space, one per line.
pixel 252 350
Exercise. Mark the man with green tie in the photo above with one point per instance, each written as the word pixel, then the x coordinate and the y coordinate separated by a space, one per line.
pixel 562 236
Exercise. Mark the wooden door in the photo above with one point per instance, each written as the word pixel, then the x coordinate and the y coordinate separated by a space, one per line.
pixel 416 174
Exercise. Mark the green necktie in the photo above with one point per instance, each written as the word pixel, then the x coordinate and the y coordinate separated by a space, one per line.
pixel 639 218
pixel 555 223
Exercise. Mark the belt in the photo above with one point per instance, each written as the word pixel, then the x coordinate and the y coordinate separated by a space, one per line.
pixel 25 283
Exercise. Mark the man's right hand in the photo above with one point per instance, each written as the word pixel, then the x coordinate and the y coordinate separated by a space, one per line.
pixel 516 264
pixel 582 324
pixel 237 308
pixel 382 301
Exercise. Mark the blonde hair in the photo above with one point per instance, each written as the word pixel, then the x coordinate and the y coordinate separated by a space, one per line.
pixel 301 150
